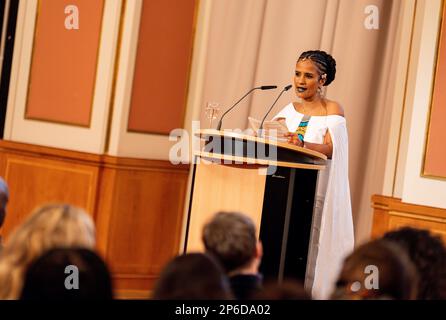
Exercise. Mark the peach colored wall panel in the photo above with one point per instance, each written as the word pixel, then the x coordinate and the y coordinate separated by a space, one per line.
pixel 162 66
pixel 64 62
pixel 435 157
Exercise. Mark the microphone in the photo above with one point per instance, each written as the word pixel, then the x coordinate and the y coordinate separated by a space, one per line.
pixel 256 88
pixel 270 108
pixel 268 87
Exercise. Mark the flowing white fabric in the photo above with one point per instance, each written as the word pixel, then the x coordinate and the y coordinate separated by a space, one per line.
pixel 332 239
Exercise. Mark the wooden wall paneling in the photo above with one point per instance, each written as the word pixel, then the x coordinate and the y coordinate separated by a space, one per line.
pixel 380 205
pixel 139 226
pixel 391 214
pixel 104 207
pixel 380 223
pixel 34 181
pixel 398 220
pixel 137 204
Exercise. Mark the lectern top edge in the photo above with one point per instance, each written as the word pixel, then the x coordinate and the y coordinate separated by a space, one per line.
pixel 250 161
pixel 221 133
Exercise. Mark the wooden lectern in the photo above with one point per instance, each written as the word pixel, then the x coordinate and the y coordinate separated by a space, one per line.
pixel 272 182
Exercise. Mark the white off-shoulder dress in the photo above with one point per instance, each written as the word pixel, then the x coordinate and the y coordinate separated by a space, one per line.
pixel 332 237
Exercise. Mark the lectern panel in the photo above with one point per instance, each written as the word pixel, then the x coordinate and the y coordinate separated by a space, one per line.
pixel 219 187
pixel 280 203
pixel 286 223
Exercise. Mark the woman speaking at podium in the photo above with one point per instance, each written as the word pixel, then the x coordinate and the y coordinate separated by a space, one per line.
pixel 318 123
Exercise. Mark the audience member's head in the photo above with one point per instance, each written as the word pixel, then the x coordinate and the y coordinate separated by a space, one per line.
pixel 428 254
pixel 287 290
pixel 377 270
pixel 67 274
pixel 4 198
pixel 192 276
pixel 49 227
pixel 231 238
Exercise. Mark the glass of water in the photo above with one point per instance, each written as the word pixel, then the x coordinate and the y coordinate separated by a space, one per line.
pixel 212 111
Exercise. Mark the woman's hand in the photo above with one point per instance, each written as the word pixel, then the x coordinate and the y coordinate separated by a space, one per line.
pixel 293 138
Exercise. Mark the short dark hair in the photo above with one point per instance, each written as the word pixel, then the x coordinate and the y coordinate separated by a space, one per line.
pixel 428 254
pixel 231 238
pixel 192 276
pixel 45 278
pixel 324 62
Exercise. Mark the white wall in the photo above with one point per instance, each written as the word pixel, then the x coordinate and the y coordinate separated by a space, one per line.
pixel 412 186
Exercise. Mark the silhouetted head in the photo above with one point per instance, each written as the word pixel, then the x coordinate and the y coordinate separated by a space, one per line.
pixel 68 274
pixel 192 276
pixel 428 254
pixel 48 227
pixel 378 269
pixel 231 238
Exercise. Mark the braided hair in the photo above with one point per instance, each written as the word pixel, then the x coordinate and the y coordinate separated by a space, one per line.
pixel 324 62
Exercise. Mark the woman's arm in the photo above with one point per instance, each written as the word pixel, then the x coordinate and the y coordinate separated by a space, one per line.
pixel 325 148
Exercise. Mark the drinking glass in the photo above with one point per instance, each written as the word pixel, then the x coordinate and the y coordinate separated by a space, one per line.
pixel 212 111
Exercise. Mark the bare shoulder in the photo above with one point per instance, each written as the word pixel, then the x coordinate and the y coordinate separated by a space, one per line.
pixel 334 108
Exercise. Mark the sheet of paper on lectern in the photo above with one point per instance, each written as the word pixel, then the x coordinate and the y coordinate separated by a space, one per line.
pixel 272 129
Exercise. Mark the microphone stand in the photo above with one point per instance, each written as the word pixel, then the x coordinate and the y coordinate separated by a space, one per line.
pixel 269 110
pixel 222 116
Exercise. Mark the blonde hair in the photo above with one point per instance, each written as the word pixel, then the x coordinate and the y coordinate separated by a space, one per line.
pixel 50 226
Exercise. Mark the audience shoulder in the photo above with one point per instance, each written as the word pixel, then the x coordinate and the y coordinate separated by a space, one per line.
pixel 334 108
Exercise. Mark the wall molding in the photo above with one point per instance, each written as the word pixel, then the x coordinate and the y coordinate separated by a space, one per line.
pixel 18 128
